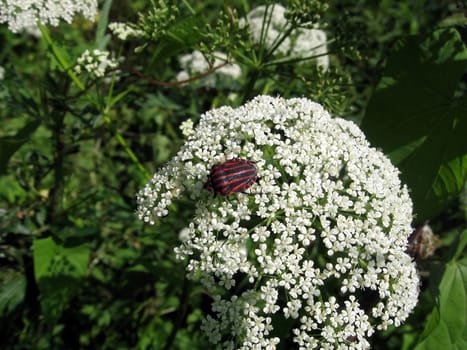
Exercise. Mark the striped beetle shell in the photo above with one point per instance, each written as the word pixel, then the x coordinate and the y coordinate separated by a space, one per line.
pixel 232 176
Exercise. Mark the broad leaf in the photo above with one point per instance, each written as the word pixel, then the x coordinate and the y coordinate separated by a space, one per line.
pixel 180 36
pixel 58 271
pixel 418 116
pixel 447 326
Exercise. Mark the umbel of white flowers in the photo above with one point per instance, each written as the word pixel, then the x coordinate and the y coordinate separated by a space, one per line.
pixel 321 242
pixel 97 62
pixel 24 14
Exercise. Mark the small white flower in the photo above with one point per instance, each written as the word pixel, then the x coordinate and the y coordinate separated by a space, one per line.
pixel 187 128
pixel 25 14
pixel 96 62
pixel 184 234
pixel 2 73
pixel 123 31
pixel 328 223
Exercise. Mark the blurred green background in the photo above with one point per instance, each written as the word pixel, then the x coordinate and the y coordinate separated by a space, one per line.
pixel 80 271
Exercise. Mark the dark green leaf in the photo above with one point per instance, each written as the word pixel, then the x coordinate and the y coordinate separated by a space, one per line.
pixel 447 325
pixel 418 116
pixel 450 181
pixel 58 271
pixel 12 294
pixel 10 144
pixel 461 246
pixel 180 36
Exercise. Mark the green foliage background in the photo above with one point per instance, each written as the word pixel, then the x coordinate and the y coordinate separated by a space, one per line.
pixel 79 271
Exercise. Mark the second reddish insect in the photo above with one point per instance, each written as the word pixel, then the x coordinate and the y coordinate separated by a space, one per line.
pixel 232 176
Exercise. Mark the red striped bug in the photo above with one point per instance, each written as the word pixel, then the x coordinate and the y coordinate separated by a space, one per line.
pixel 232 176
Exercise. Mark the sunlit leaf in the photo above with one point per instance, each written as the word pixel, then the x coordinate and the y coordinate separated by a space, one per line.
pixel 447 325
pixel 58 271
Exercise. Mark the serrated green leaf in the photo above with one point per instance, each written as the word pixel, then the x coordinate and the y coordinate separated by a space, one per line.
pixel 180 36
pixel 12 294
pixel 58 271
pixel 447 325
pixel 450 180
pixel 417 117
pixel 52 259
pixel 10 144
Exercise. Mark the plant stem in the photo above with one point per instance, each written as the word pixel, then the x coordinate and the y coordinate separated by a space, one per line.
pixel 62 59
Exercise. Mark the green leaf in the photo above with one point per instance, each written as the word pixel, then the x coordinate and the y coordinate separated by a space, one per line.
pixel 418 116
pixel 162 146
pixel 180 36
pixel 58 271
pixel 60 57
pixel 12 294
pixel 10 144
pixel 447 326
pixel 460 250
pixel 11 190
pixel 102 39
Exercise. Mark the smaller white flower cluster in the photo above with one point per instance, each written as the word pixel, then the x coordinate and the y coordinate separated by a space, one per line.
pixel 267 24
pixel 24 14
pixel 196 63
pixel 95 62
pixel 123 30
pixel 2 73
pixel 187 128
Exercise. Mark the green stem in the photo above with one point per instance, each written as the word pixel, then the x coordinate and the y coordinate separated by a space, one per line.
pixel 132 156
pixel 252 78
pixel 66 66
pixel 60 57
pixel 193 12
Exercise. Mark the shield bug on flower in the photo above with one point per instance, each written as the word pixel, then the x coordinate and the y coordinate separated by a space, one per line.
pixel 232 176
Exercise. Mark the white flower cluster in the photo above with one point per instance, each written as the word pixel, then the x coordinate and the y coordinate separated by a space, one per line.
pixel 124 30
pixel 2 73
pixel 196 63
pixel 267 25
pixel 186 127
pixel 24 14
pixel 96 62
pixel 319 243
